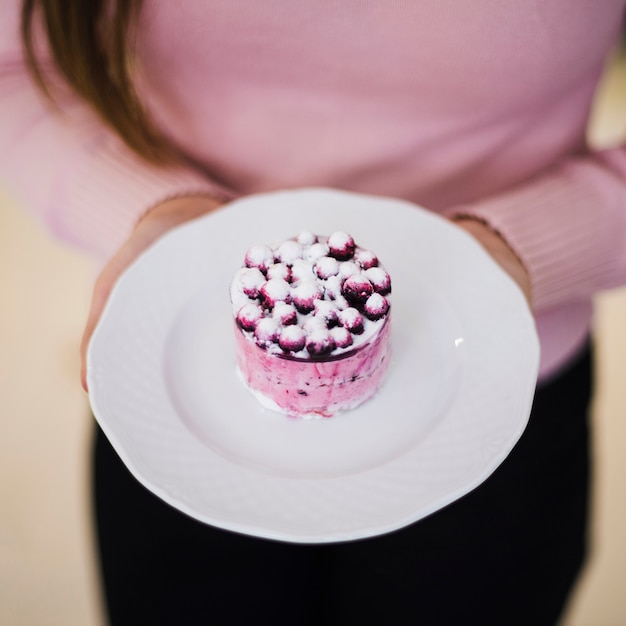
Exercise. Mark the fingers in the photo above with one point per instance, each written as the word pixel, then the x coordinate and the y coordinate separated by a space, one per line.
pixel 158 221
pixel 101 292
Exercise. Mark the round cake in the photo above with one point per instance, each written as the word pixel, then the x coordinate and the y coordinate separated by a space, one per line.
pixel 312 324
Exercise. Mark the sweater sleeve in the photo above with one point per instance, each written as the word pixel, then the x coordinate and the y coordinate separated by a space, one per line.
pixel 567 226
pixel 68 168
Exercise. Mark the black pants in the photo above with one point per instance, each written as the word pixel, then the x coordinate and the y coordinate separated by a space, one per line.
pixel 507 553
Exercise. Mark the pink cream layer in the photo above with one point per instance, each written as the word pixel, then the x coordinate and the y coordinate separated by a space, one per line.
pixel 314 387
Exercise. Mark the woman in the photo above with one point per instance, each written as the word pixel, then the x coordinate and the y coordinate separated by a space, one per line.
pixel 473 110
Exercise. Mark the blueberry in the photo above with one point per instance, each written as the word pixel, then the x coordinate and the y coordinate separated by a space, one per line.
pixel 306 238
pixel 292 339
pixel 379 279
pixel 314 324
pixel 289 251
pixel 279 270
pixel 266 332
pixel 376 307
pixel 259 256
pixel 326 267
pixel 273 291
pixel 341 246
pixel 320 343
pixel 351 319
pixel 341 336
pixel 302 270
pixel 348 268
pixel 285 313
pixel 248 316
pixel 251 281
pixel 357 289
pixel 365 258
pixel 332 287
pixel 316 251
pixel 327 310
pixel 304 295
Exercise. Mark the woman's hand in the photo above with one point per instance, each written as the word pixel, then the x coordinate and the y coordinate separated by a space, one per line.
pixel 150 227
pixel 500 251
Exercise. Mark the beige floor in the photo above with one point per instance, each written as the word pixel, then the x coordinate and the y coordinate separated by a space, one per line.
pixel 46 565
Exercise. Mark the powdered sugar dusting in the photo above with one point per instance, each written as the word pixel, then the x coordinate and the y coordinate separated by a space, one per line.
pixel 312 296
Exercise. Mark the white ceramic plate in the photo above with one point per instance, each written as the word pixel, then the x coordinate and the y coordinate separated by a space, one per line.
pixel 163 384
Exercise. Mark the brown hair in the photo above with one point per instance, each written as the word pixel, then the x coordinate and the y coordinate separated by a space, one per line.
pixel 89 44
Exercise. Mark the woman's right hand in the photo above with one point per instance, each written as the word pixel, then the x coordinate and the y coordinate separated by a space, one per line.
pixel 150 227
pixel 500 251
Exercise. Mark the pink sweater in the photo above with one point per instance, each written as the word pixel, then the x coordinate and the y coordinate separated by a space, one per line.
pixel 476 107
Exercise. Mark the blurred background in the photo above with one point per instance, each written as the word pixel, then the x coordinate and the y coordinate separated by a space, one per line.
pixel 47 572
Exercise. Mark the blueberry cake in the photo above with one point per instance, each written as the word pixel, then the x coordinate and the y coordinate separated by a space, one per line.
pixel 312 324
